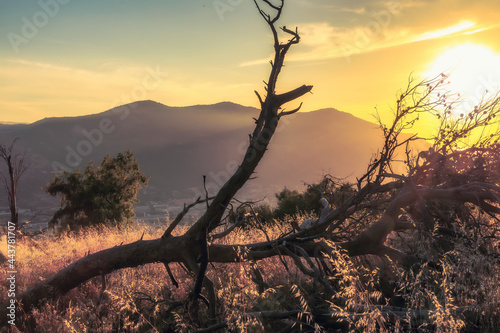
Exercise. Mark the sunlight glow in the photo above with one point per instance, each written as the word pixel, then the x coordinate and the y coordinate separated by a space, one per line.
pixel 447 31
pixel 474 72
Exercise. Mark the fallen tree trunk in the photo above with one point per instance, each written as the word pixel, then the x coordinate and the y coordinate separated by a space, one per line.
pixel 193 244
pixel 317 241
pixel 173 249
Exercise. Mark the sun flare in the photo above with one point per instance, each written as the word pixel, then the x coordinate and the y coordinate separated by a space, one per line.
pixel 474 71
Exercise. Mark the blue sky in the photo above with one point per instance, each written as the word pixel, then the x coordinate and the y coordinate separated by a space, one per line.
pixel 85 57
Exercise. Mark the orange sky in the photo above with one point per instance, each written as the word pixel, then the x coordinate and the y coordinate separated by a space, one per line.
pixel 85 57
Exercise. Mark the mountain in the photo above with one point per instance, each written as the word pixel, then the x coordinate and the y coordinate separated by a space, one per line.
pixel 176 146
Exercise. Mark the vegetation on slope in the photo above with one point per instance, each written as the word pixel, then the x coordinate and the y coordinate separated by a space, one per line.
pixel 459 292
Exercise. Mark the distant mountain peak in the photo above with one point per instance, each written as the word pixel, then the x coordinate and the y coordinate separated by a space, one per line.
pixel 227 104
pixel 177 145
pixel 222 106
pixel 148 102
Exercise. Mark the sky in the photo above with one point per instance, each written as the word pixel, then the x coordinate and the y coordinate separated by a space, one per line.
pixel 74 57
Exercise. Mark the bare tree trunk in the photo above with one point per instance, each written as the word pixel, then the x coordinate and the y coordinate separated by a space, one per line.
pixel 193 244
pixel 193 248
pixel 14 215
pixel 15 167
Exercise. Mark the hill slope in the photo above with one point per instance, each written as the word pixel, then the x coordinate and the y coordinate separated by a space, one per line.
pixel 176 146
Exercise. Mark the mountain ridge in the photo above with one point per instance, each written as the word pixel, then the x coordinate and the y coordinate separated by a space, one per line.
pixel 176 146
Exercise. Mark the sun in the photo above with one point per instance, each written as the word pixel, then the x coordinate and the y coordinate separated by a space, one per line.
pixel 474 72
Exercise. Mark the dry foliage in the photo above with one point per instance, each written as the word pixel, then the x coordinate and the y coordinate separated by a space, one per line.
pixel 411 251
pixel 461 290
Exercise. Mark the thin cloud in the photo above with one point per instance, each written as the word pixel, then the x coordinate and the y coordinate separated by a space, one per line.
pixel 359 11
pixel 475 31
pixel 255 62
pixel 116 71
pixel 41 65
pixel 326 4
pixel 360 7
pixel 62 87
pixel 324 41
pixel 464 26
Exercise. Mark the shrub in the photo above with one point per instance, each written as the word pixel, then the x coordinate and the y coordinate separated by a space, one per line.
pixel 102 194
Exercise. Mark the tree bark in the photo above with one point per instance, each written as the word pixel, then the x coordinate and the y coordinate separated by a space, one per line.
pixel 192 247
pixel 193 243
pixel 15 167
pixel 175 249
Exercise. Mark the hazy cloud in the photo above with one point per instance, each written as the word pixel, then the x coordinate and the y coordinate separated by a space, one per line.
pixel 324 41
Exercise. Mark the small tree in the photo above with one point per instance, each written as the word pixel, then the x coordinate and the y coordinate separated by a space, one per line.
pixel 102 194
pixel 291 202
pixel 16 167
pixel 395 218
pixel 247 216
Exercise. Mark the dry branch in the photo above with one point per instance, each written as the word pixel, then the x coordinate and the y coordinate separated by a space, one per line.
pixel 193 244
pixel 380 191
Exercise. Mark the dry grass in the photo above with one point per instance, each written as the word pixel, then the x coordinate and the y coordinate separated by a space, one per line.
pixel 461 296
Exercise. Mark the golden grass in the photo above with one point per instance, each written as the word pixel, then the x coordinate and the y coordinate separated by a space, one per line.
pixel 140 299
pixel 80 311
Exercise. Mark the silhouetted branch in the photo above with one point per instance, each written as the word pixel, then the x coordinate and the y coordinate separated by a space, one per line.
pixel 358 225
pixel 181 215
pixel 260 98
pixel 287 113
pixel 16 167
pixel 170 274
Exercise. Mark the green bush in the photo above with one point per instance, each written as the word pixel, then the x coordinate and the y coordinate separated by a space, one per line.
pixel 291 202
pixel 102 194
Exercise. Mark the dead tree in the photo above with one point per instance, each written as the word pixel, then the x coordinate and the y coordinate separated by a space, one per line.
pixel 16 167
pixel 192 247
pixel 388 196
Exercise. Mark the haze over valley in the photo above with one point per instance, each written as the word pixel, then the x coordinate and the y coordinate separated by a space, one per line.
pixel 176 146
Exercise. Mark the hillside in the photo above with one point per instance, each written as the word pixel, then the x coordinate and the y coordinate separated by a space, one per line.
pixel 176 146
